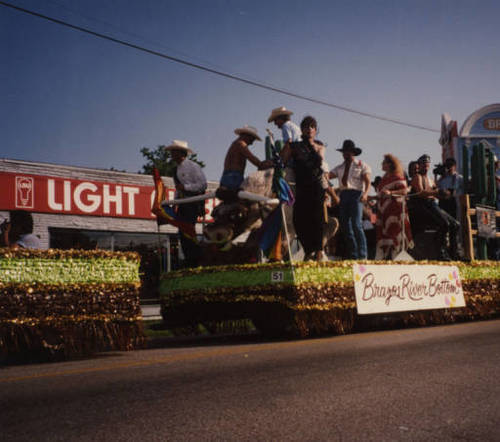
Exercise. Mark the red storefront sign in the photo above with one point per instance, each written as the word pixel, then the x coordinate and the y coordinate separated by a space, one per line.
pixel 46 194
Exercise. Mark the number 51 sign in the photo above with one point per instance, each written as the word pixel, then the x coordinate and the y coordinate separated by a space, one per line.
pixel 277 276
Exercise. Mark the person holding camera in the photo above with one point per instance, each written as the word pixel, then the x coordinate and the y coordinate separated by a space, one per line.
pixel 450 186
pixel 18 232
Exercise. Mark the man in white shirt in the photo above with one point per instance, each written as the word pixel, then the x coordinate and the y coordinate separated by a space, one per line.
pixel 290 131
pixel 450 186
pixel 189 181
pixel 354 182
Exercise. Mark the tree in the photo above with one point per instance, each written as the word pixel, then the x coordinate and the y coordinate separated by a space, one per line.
pixel 162 160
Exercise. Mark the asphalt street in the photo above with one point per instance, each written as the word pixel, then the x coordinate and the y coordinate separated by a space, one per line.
pixel 421 384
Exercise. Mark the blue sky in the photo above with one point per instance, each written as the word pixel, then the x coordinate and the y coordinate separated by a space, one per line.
pixel 71 98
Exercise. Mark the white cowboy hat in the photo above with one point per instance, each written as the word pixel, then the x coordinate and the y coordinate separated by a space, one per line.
pixel 275 113
pixel 249 130
pixel 179 145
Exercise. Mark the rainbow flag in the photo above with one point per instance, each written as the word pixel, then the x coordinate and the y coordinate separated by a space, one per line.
pixel 166 214
pixel 271 235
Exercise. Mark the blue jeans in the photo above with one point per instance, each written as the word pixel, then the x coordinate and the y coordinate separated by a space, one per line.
pixel 231 179
pixel 350 213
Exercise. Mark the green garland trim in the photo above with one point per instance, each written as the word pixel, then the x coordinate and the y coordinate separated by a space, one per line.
pixel 72 270
pixel 214 279
pixel 64 254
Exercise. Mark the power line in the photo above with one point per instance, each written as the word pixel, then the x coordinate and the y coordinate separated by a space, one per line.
pixel 135 35
pixel 217 72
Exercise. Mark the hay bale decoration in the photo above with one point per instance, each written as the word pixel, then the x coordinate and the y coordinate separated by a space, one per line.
pixel 66 303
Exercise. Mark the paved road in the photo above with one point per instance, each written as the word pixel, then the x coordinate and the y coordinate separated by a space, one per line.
pixel 436 383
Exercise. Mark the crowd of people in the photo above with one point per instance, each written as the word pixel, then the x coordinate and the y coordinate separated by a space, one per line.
pixel 404 205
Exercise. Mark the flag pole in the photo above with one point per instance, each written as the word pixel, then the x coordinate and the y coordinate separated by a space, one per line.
pixel 283 216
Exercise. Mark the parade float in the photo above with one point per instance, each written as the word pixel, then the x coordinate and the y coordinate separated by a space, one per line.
pixel 298 299
pixel 311 298
pixel 57 304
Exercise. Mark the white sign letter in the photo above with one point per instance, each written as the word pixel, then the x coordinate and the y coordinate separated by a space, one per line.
pixel 51 194
pixel 107 199
pixel 131 192
pixel 67 196
pixel 94 199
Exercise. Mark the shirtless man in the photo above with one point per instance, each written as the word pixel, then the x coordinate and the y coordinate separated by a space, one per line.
pixel 237 156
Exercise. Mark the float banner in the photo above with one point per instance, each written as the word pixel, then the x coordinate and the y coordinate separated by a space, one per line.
pixel 399 288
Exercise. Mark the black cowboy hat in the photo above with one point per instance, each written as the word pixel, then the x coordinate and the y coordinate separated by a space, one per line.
pixel 349 146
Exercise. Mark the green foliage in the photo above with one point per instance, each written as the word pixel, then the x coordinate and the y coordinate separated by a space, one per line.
pixel 162 160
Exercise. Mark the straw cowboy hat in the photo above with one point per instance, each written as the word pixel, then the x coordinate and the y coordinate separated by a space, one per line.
pixel 278 112
pixel 349 146
pixel 179 145
pixel 249 130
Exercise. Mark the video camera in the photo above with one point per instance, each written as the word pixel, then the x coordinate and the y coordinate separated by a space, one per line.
pixel 439 169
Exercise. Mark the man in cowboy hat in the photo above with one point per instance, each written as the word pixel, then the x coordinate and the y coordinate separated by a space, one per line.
pixel 281 118
pixel 189 181
pixel 237 156
pixel 354 180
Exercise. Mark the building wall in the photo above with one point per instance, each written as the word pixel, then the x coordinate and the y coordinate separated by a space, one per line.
pixel 42 221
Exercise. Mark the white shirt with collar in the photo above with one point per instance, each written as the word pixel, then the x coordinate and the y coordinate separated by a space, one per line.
pixel 191 176
pixel 29 241
pixel 355 176
pixel 290 132
pixel 455 182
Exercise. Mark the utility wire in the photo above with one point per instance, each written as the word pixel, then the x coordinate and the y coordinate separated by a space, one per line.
pixel 128 33
pixel 217 72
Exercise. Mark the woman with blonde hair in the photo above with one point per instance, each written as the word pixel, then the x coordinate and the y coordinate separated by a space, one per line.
pixel 391 211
